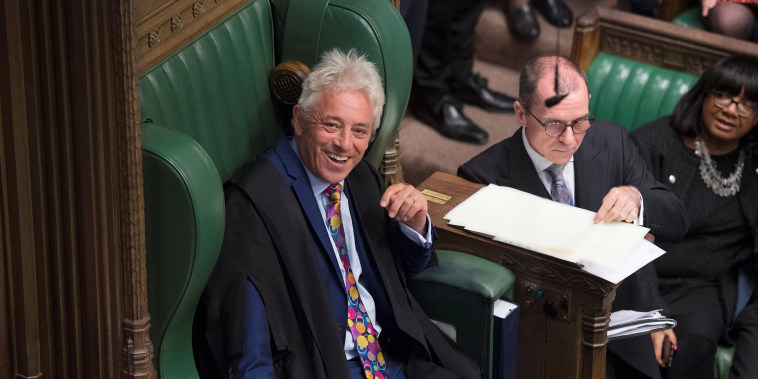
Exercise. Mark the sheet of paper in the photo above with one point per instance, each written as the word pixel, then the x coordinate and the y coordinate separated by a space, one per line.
pixel 559 230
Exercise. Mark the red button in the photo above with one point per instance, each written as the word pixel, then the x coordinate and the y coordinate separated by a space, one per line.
pixel 527 303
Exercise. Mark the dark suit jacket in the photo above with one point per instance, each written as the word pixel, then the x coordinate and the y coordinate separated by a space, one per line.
pixel 275 239
pixel 606 159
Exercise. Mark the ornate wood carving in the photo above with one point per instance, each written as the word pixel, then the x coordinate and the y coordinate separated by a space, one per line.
pixel 163 26
pixel 390 167
pixel 650 41
pixel 70 204
pixel 136 347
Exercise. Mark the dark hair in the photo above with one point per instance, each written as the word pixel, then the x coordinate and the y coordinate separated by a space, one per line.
pixel 729 75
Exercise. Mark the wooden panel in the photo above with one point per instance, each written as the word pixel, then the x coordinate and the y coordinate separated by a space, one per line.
pixel 163 26
pixel 70 202
pixel 652 41
pixel 572 344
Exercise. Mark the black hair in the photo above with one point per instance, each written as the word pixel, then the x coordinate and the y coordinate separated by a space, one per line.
pixel 729 75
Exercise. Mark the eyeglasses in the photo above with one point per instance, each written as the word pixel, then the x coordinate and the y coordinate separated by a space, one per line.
pixel 556 128
pixel 745 108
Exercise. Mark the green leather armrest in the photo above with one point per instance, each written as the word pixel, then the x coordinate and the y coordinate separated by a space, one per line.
pixel 690 18
pixel 724 357
pixel 184 222
pixel 461 292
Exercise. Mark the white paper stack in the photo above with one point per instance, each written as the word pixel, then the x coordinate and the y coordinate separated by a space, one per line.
pixel 611 251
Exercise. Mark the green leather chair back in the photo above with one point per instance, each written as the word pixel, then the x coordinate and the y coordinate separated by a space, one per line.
pixel 208 110
pixel 690 18
pixel 633 93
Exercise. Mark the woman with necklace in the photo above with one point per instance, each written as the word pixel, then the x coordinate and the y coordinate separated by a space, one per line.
pixel 707 153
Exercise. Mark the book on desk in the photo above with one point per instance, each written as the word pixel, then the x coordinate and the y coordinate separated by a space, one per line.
pixel 612 250
pixel 505 340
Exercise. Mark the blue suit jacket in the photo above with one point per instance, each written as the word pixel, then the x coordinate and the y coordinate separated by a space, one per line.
pixel 257 358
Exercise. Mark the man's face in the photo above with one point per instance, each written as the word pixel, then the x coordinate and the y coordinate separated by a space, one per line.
pixel 557 149
pixel 338 134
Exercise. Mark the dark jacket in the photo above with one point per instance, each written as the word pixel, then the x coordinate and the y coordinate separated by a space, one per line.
pixel 275 238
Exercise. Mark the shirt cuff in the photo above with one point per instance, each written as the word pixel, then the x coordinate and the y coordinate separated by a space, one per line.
pixel 414 236
pixel 641 218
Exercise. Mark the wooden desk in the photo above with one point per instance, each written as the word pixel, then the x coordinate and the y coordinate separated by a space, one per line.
pixel 564 311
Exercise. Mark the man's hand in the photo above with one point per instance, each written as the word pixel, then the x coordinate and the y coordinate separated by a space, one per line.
pixel 407 205
pixel 620 204
pixel 662 346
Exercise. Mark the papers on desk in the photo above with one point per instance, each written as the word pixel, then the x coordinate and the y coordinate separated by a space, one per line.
pixel 611 251
pixel 632 323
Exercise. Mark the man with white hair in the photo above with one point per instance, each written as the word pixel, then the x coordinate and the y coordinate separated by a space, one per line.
pixel 311 279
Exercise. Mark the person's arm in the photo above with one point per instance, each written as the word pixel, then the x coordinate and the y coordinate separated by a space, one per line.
pixel 665 214
pixel 256 361
pixel 409 206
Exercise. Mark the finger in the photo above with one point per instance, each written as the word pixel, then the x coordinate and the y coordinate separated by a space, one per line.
pixel 390 193
pixel 407 208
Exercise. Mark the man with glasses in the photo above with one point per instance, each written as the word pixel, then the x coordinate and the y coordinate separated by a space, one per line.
pixel 561 153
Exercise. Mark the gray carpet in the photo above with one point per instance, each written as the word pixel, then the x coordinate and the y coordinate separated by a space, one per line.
pixel 499 58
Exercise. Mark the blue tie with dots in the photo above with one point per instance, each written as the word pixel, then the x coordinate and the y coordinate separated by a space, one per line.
pixel 559 191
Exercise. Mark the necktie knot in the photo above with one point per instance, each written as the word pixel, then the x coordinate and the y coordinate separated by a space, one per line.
pixel 559 191
pixel 334 192
pixel 556 171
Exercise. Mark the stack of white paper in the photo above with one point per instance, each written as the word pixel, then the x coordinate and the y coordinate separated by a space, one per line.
pixel 627 323
pixel 559 230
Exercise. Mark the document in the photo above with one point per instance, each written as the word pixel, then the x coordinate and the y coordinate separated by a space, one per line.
pixel 632 323
pixel 611 250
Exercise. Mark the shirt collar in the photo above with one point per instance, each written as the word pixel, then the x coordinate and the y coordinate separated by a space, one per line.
pixel 540 163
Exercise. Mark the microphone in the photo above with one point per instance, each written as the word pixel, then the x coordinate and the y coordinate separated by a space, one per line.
pixel 553 101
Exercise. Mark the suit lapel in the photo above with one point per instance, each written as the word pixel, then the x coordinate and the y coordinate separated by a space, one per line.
pixel 522 176
pixel 298 180
pixel 590 171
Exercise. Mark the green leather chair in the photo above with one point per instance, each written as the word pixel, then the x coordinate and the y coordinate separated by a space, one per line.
pixel 690 18
pixel 207 110
pixel 632 94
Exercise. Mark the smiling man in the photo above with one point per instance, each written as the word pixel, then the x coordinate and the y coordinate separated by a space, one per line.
pixel 311 279
pixel 560 153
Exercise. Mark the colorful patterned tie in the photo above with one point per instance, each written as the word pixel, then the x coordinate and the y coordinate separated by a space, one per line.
pixel 559 191
pixel 360 325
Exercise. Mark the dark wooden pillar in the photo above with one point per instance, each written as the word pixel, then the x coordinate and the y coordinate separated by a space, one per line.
pixel 73 302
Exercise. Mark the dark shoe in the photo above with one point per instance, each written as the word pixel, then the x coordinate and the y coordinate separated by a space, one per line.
pixel 522 23
pixel 474 91
pixel 555 12
pixel 447 118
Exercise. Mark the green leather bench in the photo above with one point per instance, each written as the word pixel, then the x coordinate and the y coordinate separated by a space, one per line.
pixel 633 93
pixel 207 110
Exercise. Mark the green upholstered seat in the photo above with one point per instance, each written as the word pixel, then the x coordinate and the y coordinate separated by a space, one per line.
pixel 470 286
pixel 207 110
pixel 633 93
pixel 690 18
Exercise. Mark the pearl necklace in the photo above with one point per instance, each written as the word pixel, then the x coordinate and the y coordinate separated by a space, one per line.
pixel 723 187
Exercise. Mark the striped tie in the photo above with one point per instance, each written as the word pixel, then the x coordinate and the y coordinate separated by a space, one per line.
pixel 360 325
